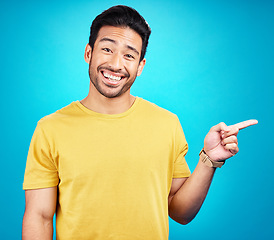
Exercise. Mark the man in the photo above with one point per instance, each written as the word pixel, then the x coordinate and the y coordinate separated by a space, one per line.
pixel 112 166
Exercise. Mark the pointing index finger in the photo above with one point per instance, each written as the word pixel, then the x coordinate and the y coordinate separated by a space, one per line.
pixel 245 124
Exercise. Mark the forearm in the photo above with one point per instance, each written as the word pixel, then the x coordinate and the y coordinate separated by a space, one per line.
pixel 36 227
pixel 188 200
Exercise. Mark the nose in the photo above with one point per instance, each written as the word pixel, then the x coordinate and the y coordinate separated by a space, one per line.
pixel 116 61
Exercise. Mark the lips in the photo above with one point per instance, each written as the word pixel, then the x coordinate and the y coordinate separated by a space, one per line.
pixel 111 78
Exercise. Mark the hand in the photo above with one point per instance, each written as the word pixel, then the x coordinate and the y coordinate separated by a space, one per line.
pixel 221 141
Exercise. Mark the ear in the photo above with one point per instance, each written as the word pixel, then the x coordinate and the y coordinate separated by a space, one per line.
pixel 88 52
pixel 141 66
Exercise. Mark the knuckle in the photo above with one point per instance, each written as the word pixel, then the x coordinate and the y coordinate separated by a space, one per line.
pixel 236 130
pixel 235 139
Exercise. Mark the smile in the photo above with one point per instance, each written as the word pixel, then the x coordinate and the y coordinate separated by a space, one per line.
pixel 111 77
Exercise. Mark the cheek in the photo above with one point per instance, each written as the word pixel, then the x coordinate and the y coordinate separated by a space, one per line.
pixel 132 69
pixel 97 59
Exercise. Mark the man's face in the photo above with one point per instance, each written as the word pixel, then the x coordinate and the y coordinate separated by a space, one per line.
pixel 114 62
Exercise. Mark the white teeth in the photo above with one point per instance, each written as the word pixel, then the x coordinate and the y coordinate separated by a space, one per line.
pixel 111 77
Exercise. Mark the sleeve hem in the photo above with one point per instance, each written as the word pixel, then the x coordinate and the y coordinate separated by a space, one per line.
pixel 181 175
pixel 27 186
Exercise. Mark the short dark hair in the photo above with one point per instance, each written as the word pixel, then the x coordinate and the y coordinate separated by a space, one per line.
pixel 121 16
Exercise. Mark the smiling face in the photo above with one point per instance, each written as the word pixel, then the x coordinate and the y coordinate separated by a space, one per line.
pixel 114 62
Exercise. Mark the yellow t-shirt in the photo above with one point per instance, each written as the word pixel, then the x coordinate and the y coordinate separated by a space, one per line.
pixel 113 172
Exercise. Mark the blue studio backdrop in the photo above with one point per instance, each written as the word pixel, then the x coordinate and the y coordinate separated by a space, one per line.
pixel 207 61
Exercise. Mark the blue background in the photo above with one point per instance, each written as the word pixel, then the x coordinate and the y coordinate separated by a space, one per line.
pixel 207 61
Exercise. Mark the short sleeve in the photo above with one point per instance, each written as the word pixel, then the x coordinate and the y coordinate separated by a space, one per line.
pixel 41 170
pixel 181 168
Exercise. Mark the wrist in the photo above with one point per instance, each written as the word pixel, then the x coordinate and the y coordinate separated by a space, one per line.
pixel 204 158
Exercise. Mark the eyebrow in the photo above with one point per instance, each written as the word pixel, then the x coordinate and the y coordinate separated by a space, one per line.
pixel 106 39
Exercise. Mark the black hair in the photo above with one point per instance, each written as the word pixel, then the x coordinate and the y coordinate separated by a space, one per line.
pixel 121 16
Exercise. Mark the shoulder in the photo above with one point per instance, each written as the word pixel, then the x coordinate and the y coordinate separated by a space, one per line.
pixel 153 110
pixel 60 116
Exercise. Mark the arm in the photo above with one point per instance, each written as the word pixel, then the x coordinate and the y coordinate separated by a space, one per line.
pixel 39 212
pixel 188 194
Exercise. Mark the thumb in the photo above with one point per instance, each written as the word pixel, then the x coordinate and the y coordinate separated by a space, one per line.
pixel 219 127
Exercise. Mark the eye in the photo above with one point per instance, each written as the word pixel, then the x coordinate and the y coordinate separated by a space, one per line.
pixel 106 50
pixel 129 56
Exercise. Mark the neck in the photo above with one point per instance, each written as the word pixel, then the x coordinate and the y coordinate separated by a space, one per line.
pixel 101 104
